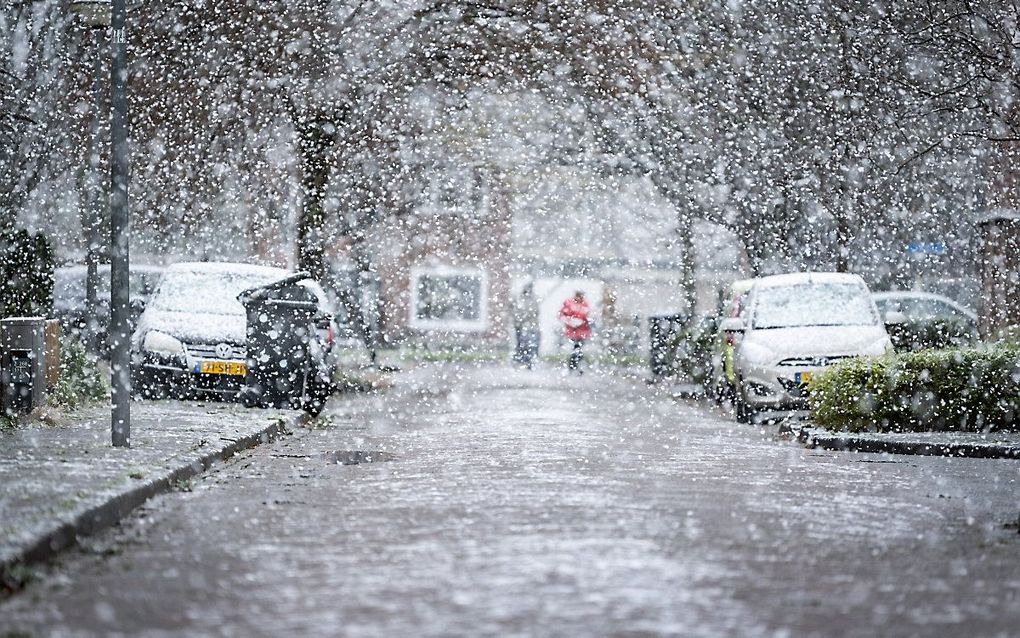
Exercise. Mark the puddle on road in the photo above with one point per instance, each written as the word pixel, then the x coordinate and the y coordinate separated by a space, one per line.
pixel 357 457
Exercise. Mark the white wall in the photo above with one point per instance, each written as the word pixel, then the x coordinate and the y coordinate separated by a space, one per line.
pixel 551 293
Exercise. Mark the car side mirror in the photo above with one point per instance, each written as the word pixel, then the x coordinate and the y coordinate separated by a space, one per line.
pixel 732 324
pixel 137 305
pixel 895 318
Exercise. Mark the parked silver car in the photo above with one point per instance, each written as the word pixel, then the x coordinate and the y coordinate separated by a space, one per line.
pixel 795 326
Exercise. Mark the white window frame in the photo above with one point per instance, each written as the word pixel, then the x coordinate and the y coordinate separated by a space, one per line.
pixel 451 325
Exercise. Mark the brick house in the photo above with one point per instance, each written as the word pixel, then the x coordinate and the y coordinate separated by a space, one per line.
pixel 443 269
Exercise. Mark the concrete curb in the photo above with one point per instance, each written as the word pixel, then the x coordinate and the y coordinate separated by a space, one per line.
pixel 104 515
pixel 847 442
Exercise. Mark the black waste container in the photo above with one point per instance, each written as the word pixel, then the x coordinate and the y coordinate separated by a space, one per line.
pixel 662 331
pixel 22 364
pixel 281 370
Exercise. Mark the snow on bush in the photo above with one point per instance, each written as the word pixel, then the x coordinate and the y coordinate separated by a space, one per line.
pixel 964 389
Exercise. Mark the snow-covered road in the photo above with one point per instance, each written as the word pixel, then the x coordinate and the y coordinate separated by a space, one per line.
pixel 513 503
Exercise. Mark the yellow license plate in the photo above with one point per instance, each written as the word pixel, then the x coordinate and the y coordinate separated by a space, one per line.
pixel 802 378
pixel 222 367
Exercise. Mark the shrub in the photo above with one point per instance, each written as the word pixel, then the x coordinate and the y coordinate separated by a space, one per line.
pixel 963 389
pixel 689 352
pixel 80 381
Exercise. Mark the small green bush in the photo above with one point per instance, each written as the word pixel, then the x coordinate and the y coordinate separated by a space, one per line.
pixel 962 389
pixel 80 381
pixel 689 352
pixel 7 422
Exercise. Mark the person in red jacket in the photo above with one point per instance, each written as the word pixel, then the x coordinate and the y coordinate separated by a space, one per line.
pixel 576 326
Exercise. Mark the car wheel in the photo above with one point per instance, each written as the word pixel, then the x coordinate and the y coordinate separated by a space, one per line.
pixel 722 393
pixel 744 412
pixel 148 385
pixel 318 389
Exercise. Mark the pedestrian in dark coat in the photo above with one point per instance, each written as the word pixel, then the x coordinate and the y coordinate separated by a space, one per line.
pixel 525 316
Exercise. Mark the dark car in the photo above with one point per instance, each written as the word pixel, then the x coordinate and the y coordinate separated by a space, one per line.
pixel 69 305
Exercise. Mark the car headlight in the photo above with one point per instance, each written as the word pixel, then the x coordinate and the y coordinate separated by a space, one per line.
pixel 880 347
pixel 162 343
pixel 755 353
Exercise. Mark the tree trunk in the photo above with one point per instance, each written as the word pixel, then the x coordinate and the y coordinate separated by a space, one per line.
pixel 314 143
pixel 368 281
pixel 685 224
pixel 752 255
pixel 689 284
pixel 844 235
pixel 316 138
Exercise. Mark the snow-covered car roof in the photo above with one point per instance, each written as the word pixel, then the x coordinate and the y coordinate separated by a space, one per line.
pixel 235 268
pixel 226 267
pixel 910 294
pixel 800 278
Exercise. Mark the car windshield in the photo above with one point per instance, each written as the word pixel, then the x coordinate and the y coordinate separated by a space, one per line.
pixel 813 304
pixel 207 292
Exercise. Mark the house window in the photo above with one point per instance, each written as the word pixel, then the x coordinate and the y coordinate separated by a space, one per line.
pixel 448 299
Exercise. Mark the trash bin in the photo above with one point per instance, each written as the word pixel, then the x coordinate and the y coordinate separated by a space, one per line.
pixel 662 329
pixel 281 371
pixel 22 363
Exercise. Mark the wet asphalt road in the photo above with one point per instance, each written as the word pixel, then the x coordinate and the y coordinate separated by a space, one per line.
pixel 514 503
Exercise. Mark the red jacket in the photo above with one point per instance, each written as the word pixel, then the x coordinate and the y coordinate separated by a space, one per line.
pixel 574 316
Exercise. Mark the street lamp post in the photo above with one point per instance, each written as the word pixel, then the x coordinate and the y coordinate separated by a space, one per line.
pixel 94 12
pixel 95 17
pixel 120 299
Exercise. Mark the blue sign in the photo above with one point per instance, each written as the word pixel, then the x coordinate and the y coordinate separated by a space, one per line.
pixel 927 248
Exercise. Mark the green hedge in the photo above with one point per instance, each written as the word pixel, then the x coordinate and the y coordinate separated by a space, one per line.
pixel 967 390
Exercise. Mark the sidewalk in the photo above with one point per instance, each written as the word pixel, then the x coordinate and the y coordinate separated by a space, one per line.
pixel 58 482
pixel 995 445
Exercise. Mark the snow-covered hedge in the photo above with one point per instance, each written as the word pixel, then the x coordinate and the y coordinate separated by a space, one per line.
pixel 972 389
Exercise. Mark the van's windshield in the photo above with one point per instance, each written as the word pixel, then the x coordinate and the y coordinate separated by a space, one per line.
pixel 813 304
